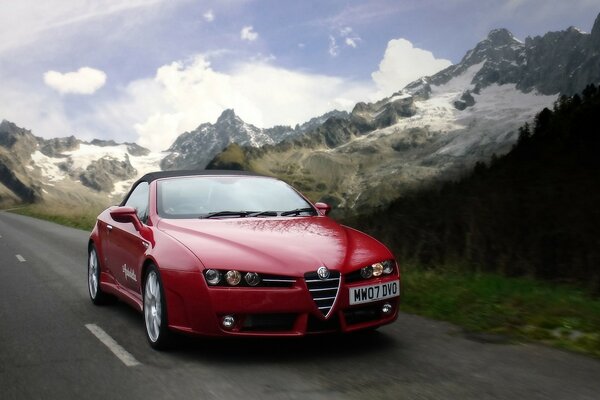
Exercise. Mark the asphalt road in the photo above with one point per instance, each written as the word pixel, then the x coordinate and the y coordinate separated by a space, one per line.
pixel 46 350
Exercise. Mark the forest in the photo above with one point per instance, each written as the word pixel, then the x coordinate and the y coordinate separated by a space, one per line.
pixel 534 211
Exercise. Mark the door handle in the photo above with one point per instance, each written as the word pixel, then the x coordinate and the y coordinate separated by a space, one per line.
pixel 109 227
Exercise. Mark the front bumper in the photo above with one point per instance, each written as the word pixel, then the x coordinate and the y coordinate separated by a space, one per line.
pixel 195 308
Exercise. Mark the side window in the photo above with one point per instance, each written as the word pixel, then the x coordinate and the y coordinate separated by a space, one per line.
pixel 139 200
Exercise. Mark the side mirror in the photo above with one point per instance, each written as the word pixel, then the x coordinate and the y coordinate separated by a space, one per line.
pixel 125 215
pixel 323 208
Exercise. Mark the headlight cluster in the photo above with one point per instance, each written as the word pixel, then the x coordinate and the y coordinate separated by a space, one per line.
pixel 232 277
pixel 377 269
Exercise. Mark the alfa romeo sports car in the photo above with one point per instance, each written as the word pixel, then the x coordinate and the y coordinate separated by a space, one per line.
pixel 224 253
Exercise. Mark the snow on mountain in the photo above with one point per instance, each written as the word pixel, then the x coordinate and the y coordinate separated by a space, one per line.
pixel 435 127
pixel 193 150
pixel 69 165
pixel 432 129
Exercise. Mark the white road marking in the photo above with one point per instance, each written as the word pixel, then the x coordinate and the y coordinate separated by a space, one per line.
pixel 20 258
pixel 113 346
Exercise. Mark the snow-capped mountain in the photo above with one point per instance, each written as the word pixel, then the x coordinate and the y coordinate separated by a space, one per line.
pixel 432 129
pixel 193 150
pixel 63 169
pixel 435 127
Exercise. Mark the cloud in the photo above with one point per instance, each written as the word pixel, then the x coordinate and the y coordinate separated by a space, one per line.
pixel 402 63
pixel 209 16
pixel 183 95
pixel 350 38
pixel 248 33
pixel 345 35
pixel 20 26
pixel 40 110
pixel 334 49
pixel 85 80
pixel 345 31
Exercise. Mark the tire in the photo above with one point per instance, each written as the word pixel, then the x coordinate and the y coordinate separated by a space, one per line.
pixel 155 311
pixel 97 296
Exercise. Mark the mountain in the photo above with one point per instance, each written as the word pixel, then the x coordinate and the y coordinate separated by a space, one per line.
pixel 433 129
pixel 67 170
pixel 193 150
pixel 533 211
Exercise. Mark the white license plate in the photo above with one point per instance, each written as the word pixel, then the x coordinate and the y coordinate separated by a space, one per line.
pixel 367 294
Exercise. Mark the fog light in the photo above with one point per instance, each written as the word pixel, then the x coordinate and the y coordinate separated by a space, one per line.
pixel 377 269
pixel 386 308
pixel 233 277
pixel 252 278
pixel 366 272
pixel 213 277
pixel 228 321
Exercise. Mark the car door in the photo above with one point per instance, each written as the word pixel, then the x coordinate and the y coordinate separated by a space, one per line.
pixel 127 247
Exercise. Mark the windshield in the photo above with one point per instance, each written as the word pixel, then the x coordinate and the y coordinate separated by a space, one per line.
pixel 226 196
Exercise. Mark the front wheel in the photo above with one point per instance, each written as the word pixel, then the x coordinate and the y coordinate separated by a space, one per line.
pixel 97 296
pixel 155 311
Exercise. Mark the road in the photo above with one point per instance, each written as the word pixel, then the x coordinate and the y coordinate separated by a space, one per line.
pixel 46 350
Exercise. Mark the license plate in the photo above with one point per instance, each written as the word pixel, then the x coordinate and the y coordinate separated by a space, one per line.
pixel 368 294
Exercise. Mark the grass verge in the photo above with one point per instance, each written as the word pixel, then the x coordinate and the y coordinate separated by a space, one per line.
pixel 520 308
pixel 80 219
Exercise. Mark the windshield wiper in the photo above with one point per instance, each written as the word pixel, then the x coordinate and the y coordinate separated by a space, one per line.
pixel 298 211
pixel 216 214
pixel 262 214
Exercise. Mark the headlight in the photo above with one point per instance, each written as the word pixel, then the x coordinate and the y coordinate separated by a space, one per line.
pixel 366 272
pixel 388 266
pixel 213 277
pixel 233 277
pixel 377 269
pixel 252 278
pixel 223 278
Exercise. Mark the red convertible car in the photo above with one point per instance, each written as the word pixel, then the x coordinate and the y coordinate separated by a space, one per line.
pixel 224 253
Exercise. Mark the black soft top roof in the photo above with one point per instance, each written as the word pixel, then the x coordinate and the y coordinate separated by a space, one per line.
pixel 152 176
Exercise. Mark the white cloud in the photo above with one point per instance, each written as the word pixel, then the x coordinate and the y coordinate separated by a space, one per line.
pixel 25 21
pixel 248 33
pixel 209 16
pixel 85 80
pixel 345 35
pixel 351 42
pixel 39 110
pixel 402 63
pixel 345 31
pixel 182 96
pixel 334 49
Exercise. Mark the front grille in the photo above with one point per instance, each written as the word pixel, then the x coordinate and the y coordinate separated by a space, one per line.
pixel 323 291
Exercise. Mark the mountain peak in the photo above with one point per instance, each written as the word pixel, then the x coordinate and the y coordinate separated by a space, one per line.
pixel 227 115
pixel 500 36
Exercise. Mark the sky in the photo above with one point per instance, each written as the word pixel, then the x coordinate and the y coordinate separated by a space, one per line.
pixel 146 71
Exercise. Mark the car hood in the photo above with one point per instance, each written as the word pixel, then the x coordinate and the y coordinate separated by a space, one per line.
pixel 288 246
